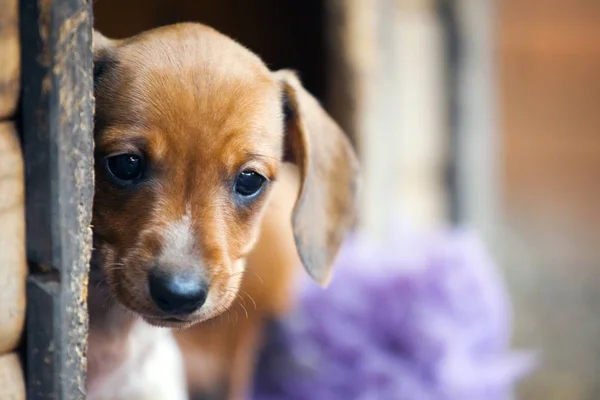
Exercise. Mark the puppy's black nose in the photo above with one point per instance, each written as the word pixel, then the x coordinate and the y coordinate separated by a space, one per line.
pixel 178 294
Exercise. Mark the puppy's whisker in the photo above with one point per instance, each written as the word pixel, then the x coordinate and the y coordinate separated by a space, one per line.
pixel 244 308
pixel 243 272
pixel 256 275
pixel 250 297
pixel 118 264
pixel 231 291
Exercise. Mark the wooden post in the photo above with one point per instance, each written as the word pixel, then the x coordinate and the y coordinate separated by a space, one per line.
pixel 57 117
pixel 476 144
pixel 10 62
pixel 13 265
pixel 387 90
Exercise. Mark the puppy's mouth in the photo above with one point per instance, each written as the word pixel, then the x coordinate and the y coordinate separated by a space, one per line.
pixel 168 322
pixel 140 301
pixel 171 321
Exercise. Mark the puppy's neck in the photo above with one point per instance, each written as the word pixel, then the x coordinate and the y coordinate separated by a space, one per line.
pixel 107 316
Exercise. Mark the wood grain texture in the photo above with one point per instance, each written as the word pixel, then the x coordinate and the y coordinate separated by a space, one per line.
pixel 12 382
pixel 10 58
pixel 13 265
pixel 57 118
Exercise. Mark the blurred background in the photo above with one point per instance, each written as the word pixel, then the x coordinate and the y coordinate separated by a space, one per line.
pixel 475 112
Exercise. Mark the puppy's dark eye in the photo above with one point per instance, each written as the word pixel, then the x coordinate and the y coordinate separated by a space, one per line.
pixel 125 168
pixel 248 183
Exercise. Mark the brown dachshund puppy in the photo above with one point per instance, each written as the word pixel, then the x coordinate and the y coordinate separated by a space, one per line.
pixel 195 137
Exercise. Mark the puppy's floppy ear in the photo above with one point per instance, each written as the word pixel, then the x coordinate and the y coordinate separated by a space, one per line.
pixel 103 48
pixel 325 209
pixel 102 44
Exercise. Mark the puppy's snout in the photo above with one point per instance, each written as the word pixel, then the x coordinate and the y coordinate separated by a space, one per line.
pixel 177 293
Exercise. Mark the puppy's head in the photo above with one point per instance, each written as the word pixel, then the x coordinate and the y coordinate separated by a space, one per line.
pixel 190 131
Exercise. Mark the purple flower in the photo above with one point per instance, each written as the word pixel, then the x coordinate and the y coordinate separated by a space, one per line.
pixel 423 317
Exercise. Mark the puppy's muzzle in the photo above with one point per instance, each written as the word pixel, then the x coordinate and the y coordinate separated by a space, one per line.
pixel 177 293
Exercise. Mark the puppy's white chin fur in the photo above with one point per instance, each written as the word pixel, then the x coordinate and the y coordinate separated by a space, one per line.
pixel 153 369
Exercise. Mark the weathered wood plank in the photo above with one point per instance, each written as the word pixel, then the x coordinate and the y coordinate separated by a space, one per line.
pixel 57 117
pixel 476 135
pixel 45 340
pixel 12 382
pixel 10 57
pixel 13 264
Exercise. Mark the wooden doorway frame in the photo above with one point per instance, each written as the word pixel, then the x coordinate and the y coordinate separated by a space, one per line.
pixel 57 133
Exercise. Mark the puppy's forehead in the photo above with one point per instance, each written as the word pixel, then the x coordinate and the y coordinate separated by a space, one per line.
pixel 190 80
pixel 179 45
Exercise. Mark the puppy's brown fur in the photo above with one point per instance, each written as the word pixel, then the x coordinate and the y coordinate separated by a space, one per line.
pixel 220 354
pixel 200 108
